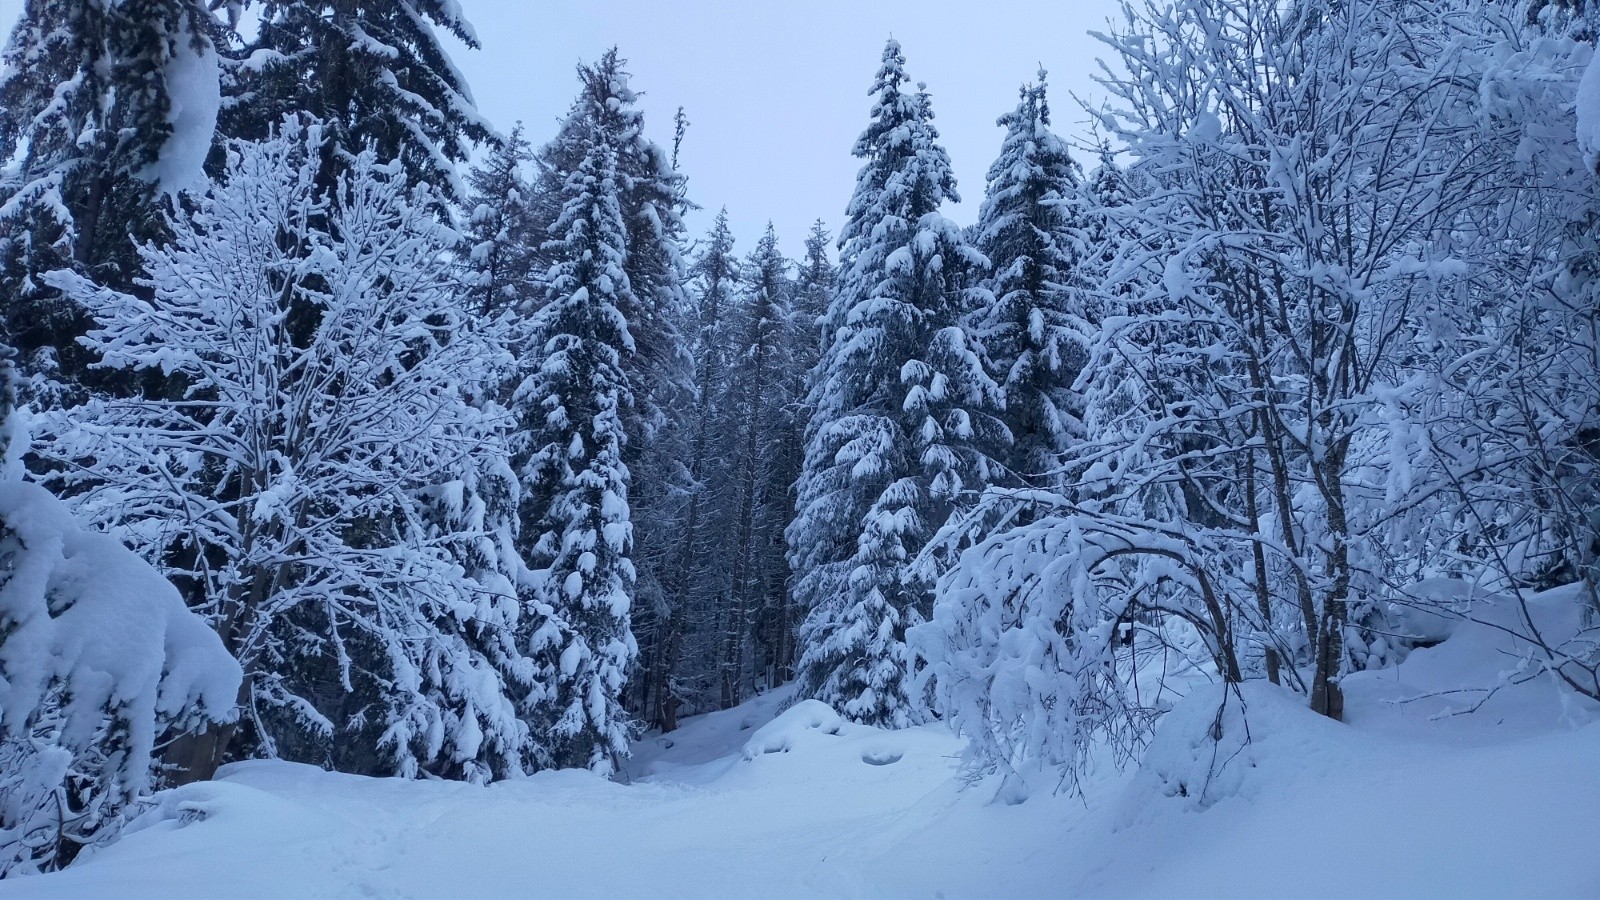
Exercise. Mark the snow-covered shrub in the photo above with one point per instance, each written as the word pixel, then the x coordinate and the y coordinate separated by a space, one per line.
pixel 1031 649
pixel 100 661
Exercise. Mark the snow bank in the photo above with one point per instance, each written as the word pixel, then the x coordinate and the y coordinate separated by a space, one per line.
pixel 1459 772
pixel 1414 797
pixel 1483 673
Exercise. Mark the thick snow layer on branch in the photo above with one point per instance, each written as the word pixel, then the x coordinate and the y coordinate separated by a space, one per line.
pixel 99 659
pixel 82 610
pixel 1589 113
pixel 194 88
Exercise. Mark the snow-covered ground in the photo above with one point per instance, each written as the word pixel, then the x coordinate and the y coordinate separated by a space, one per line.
pixel 1408 800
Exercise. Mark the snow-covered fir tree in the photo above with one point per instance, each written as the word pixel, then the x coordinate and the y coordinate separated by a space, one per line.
pixel 499 228
pixel 660 371
pixel 903 422
pixel 1032 230
pixel 103 106
pixel 577 530
pixel 815 279
pixel 761 406
pixel 375 72
pixel 696 587
pixel 814 285
pixel 323 351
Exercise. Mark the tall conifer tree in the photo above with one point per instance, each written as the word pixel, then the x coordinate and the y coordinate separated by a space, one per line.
pixel 760 403
pixel 660 371
pixel 1031 229
pixel 577 529
pixel 904 413
pixel 373 71
pixel 697 582
pixel 499 227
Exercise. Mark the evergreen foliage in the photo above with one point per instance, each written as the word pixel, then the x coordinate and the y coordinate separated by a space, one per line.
pixel 757 639
pixel 103 106
pixel 903 421
pixel 499 229
pixel 660 370
pixel 374 72
pixel 1032 229
pixel 468 476
pixel 578 538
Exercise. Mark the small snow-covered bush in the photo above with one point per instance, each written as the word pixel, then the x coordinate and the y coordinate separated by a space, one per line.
pixel 100 661
pixel 1022 648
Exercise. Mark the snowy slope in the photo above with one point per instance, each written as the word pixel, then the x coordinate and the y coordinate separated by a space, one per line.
pixel 1407 801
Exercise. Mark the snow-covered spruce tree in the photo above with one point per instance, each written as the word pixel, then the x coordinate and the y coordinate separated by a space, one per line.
pixel 815 281
pixel 903 420
pixel 100 663
pixel 660 371
pixel 500 232
pixel 103 105
pixel 375 72
pixel 577 535
pixel 1032 230
pixel 760 403
pixel 475 509
pixel 322 349
pixel 1105 190
pixel 696 584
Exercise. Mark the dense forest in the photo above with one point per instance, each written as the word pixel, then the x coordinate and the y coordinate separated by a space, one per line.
pixel 343 426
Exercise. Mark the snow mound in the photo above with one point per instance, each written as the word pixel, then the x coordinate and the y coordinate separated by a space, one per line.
pixel 1484 672
pixel 1208 745
pixel 799 726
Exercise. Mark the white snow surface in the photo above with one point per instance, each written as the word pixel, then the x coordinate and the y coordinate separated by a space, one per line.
pixel 1410 799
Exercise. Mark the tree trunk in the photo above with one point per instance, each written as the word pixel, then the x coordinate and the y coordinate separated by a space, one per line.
pixel 197 756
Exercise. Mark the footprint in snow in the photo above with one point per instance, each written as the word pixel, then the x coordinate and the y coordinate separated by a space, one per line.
pixel 881 756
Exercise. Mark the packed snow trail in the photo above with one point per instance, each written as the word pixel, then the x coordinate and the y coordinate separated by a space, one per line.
pixel 1406 801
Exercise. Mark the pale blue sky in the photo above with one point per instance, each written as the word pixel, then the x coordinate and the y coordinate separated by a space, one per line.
pixel 776 91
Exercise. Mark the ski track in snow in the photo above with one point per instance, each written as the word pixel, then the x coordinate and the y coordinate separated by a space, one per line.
pixel 1409 800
